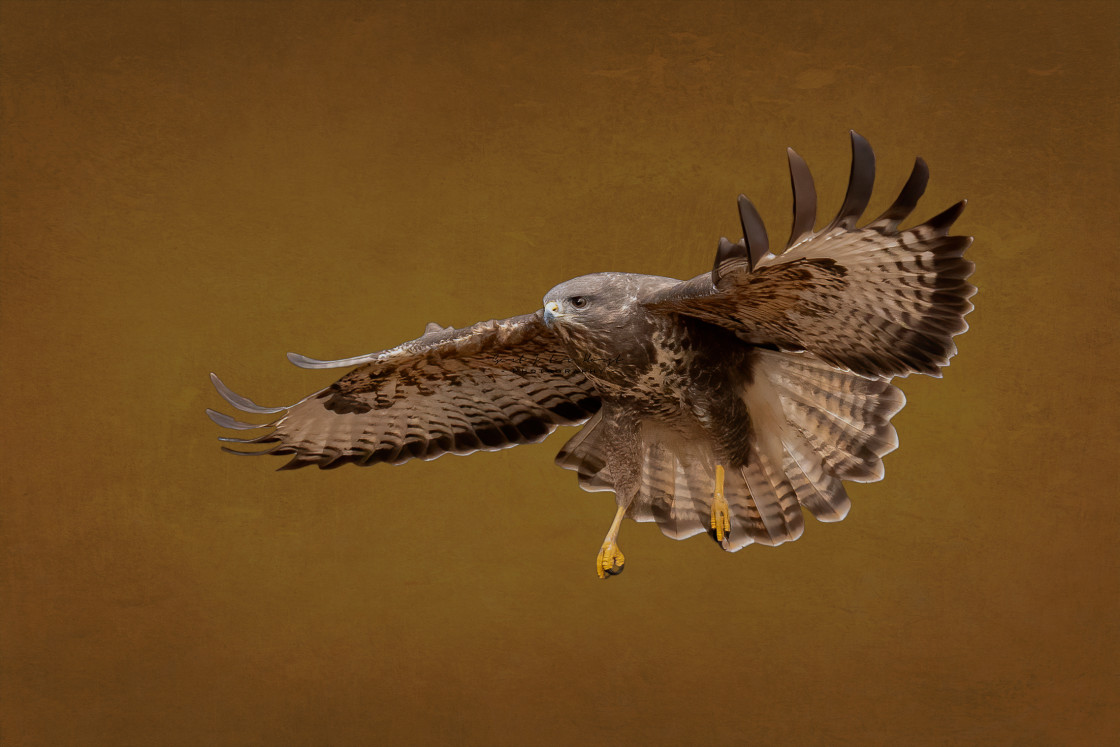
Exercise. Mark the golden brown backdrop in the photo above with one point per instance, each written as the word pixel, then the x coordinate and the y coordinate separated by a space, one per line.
pixel 204 186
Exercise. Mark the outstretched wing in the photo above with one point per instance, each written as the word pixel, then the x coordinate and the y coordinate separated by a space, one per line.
pixel 874 300
pixel 482 388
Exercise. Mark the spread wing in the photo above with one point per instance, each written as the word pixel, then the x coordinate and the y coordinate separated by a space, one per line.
pixel 874 300
pixel 486 387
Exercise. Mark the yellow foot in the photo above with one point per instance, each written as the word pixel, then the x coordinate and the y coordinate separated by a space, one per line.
pixel 610 561
pixel 721 512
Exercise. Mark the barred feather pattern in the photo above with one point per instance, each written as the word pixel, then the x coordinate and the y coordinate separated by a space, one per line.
pixel 486 387
pixel 813 426
pixel 873 300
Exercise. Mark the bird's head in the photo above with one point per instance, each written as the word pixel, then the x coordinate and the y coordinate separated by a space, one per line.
pixel 602 323
pixel 592 315
pixel 588 304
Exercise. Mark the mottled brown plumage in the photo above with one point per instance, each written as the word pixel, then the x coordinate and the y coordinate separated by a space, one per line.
pixel 486 387
pixel 774 367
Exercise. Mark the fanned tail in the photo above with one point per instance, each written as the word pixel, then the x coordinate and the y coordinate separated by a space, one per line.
pixel 813 427
pixel 830 425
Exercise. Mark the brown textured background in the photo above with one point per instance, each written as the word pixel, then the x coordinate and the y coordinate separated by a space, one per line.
pixel 204 186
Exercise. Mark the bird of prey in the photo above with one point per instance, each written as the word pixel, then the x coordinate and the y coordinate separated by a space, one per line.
pixel 723 404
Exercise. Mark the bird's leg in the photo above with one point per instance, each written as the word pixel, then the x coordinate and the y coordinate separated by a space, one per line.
pixel 611 560
pixel 721 512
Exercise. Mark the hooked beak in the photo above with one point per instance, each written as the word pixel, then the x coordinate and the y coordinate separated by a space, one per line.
pixel 551 312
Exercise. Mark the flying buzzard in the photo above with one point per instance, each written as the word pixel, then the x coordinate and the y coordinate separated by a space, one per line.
pixel 722 404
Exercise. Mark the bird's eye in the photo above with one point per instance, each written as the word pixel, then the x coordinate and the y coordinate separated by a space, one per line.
pixel 578 302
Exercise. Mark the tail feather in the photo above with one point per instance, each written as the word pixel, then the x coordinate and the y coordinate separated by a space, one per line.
pixel 835 426
pixel 746 519
pixel 818 491
pixel 676 473
pixel 792 519
pixel 774 501
pixel 672 501
pixel 586 453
